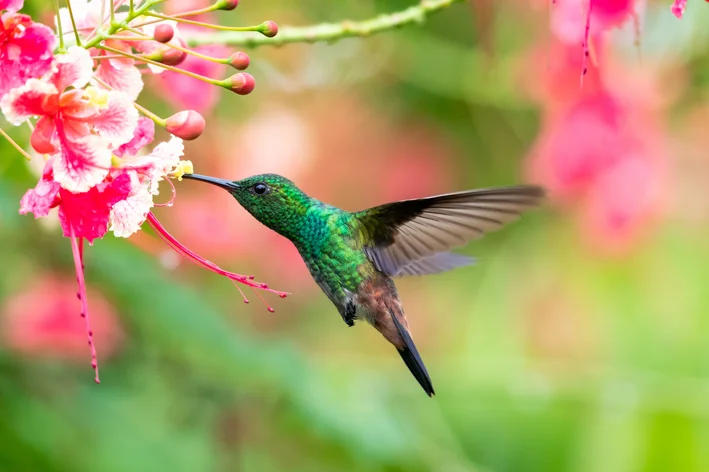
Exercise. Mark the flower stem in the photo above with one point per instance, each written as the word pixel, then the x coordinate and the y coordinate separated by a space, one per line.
pixel 191 52
pixel 14 144
pixel 73 23
pixel 326 32
pixel 113 12
pixel 184 14
pixel 206 25
pixel 164 66
pixel 59 26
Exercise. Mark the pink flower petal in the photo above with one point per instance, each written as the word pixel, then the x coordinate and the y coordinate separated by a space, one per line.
pixel 73 69
pixel 142 136
pixel 678 8
pixel 25 51
pixel 83 164
pixel 29 100
pixel 128 80
pixel 117 122
pixel 43 139
pixel 43 197
pixel 11 5
pixel 87 214
pixel 127 216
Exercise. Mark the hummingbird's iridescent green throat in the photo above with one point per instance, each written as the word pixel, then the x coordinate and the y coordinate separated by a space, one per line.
pixel 354 257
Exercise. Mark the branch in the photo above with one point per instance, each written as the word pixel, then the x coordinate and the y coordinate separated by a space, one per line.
pixel 329 32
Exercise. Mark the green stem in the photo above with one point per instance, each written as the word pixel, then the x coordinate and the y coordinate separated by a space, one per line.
pixel 118 26
pixel 206 25
pixel 219 83
pixel 328 32
pixel 73 23
pixel 59 26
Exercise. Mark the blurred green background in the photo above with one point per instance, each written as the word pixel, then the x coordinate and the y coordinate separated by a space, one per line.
pixel 548 355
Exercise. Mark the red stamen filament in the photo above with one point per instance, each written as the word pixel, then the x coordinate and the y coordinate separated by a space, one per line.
pixel 177 246
pixel 77 250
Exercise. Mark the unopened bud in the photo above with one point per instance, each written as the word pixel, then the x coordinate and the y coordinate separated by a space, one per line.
pixel 227 4
pixel 163 33
pixel 269 29
pixel 239 60
pixel 187 124
pixel 242 83
pixel 172 57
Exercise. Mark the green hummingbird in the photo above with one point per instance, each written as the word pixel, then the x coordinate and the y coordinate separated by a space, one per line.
pixel 354 257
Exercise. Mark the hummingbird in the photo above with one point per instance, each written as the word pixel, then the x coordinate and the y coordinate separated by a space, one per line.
pixel 355 256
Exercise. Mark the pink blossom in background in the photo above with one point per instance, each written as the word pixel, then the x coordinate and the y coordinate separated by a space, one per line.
pixel 604 161
pixel 678 8
pixel 188 93
pixel 42 320
pixel 568 18
pixel 26 47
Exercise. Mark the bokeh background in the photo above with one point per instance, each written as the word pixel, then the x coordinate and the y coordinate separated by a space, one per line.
pixel 579 342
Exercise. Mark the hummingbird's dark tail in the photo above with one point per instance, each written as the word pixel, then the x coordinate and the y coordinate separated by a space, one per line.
pixel 411 357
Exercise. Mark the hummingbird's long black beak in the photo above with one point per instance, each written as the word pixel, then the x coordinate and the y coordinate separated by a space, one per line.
pixel 227 185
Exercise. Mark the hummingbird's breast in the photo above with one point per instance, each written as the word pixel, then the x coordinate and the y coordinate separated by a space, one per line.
pixel 333 254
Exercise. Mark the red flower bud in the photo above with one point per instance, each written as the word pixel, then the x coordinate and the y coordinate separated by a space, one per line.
pixel 242 83
pixel 227 4
pixel 163 33
pixel 239 60
pixel 171 57
pixel 186 124
pixel 269 29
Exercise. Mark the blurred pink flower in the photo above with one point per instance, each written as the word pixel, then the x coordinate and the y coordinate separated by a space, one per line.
pixel 43 320
pixel 606 161
pixel 187 92
pixel 569 17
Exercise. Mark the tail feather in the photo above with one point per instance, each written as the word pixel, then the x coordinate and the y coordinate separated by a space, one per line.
pixel 412 359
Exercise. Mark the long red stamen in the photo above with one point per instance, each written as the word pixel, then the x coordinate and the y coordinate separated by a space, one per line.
pixel 77 251
pixel 177 246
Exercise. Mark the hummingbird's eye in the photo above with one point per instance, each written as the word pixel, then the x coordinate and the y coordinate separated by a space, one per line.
pixel 260 189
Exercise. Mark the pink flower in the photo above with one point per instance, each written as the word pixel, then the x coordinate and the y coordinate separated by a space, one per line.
pixel 86 214
pixel 678 8
pixel 44 196
pixel 604 159
pixel 81 124
pixel 569 17
pixel 42 321
pixel 25 47
pixel 123 199
pixel 145 173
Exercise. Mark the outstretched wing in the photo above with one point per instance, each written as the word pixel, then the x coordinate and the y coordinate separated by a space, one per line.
pixel 408 237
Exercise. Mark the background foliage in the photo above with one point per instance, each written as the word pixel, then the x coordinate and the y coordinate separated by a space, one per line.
pixel 550 355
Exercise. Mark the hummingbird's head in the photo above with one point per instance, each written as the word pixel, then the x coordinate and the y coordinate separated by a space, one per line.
pixel 272 199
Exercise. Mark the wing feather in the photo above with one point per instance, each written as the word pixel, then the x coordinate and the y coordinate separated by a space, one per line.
pixel 405 237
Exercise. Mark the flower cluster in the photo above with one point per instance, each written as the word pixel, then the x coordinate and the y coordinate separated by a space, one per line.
pixel 76 91
pixel 578 21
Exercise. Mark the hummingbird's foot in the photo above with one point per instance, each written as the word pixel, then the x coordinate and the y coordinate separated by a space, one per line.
pixel 350 313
